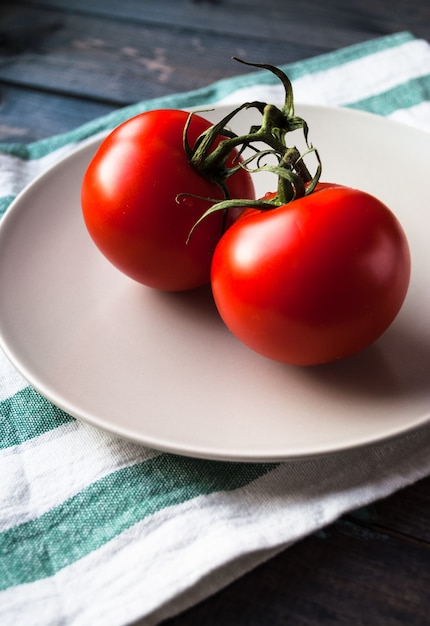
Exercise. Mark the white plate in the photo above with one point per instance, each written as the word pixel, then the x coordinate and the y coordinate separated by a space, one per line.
pixel 161 369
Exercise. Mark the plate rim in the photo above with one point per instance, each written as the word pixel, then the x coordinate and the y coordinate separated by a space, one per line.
pixel 90 144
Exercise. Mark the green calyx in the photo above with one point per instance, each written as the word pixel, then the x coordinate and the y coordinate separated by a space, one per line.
pixel 265 141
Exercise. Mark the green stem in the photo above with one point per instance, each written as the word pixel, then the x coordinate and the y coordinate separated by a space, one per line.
pixel 210 155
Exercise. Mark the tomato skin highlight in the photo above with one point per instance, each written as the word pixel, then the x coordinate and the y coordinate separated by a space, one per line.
pixel 315 280
pixel 129 205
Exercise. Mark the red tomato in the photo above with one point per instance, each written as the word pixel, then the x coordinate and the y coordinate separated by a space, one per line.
pixel 315 280
pixel 129 202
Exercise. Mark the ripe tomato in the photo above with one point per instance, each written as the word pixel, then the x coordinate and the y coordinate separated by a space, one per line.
pixel 129 201
pixel 315 280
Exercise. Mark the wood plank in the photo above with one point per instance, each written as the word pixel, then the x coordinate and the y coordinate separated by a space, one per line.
pixel 342 575
pixel 259 20
pixel 268 19
pixel 122 63
pixel 27 115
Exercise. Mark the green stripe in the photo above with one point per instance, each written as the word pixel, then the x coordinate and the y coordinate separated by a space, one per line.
pixel 207 95
pixel 5 202
pixel 403 96
pixel 40 548
pixel 26 415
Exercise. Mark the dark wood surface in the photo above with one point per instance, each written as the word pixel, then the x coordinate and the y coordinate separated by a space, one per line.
pixel 65 62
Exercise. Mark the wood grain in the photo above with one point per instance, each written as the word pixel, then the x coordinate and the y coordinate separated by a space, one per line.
pixel 27 115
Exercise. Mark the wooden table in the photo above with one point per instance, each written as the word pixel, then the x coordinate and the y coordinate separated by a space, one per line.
pixel 65 62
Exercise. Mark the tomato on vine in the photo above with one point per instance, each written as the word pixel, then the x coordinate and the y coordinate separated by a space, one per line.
pixel 314 272
pixel 145 188
pixel 309 274
pixel 314 280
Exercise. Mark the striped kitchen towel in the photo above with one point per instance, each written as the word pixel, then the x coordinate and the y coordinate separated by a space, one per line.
pixel 97 530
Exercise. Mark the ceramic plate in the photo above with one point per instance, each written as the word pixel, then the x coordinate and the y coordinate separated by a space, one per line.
pixel 161 369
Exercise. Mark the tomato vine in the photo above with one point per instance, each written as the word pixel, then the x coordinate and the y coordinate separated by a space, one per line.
pixel 294 177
